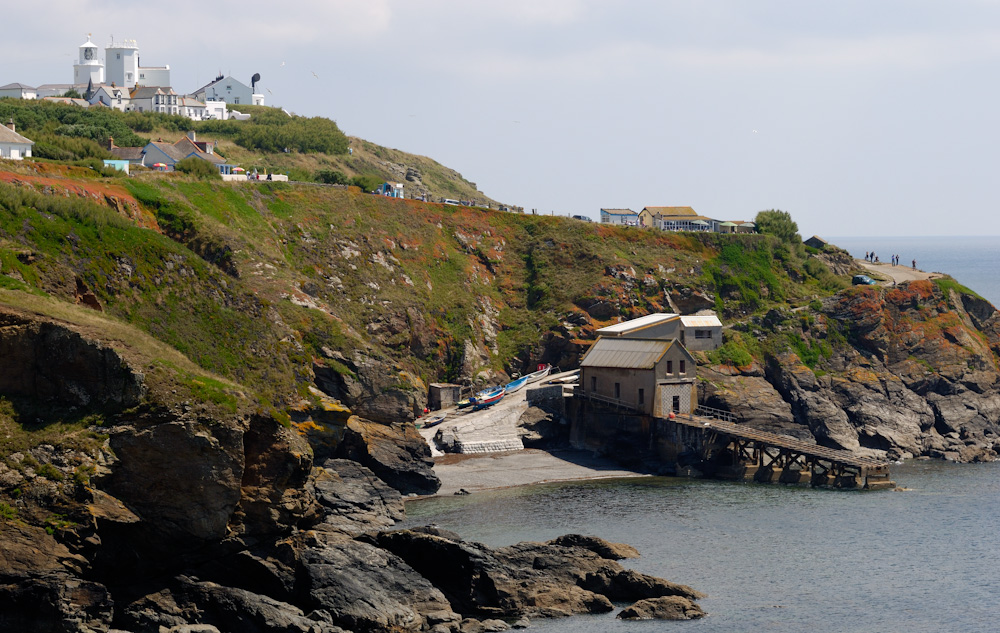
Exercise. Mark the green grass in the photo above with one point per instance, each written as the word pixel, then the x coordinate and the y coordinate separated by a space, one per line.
pixel 947 284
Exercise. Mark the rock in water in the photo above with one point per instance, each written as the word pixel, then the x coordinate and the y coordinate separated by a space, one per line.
pixel 665 608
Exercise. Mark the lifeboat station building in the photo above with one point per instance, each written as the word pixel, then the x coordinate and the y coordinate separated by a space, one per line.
pixel 649 376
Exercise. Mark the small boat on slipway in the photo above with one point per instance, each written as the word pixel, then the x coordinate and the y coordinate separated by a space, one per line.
pixel 538 375
pixel 514 385
pixel 487 398
pixel 433 421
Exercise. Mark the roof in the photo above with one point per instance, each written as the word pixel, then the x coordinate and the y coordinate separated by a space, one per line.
pixel 16 86
pixel 671 211
pixel 126 153
pixel 80 102
pixel 626 353
pixel 189 102
pixel 685 218
pixel 637 324
pixel 817 238
pixel 699 320
pixel 145 92
pixel 619 211
pixel 8 135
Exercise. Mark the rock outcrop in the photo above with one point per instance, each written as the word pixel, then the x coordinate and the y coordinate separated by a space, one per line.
pixel 898 372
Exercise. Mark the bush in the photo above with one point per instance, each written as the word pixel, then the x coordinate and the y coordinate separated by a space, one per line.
pixel 332 177
pixel 199 168
pixel 367 182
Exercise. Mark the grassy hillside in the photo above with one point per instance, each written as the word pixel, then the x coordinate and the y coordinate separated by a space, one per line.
pixel 252 280
pixel 270 141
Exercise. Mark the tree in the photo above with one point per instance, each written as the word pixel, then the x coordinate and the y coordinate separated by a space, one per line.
pixel 779 224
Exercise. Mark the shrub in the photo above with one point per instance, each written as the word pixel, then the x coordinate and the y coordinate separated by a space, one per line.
pixel 49 472
pixel 199 168
pixel 367 182
pixel 332 177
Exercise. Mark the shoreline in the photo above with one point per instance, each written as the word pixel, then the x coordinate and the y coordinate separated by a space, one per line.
pixel 494 471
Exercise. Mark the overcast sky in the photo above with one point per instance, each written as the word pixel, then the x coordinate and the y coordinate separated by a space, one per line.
pixel 858 118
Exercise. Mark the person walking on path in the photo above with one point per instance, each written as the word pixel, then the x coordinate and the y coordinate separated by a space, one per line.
pixel 914 264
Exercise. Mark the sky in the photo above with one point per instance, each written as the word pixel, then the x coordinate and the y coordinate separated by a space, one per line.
pixel 858 118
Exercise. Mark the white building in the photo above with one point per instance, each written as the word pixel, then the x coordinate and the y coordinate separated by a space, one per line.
pixel 18 91
pixel 124 70
pixel 122 60
pixel 228 89
pixel 216 110
pixel 192 108
pixel 113 97
pixel 12 145
pixel 89 69
pixel 626 217
pixel 155 99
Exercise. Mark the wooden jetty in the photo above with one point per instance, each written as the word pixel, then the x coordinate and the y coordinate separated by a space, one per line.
pixel 740 452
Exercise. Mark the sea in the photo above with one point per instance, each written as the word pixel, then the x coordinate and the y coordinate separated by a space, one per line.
pixel 924 558
pixel 974 261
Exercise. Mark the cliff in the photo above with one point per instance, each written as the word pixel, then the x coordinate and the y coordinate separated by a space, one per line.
pixel 209 389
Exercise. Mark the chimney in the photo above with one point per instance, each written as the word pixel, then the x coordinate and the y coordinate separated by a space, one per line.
pixel 10 124
pixel 192 136
pixel 111 142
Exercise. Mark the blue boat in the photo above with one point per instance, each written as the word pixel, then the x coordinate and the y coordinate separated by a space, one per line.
pixel 514 385
pixel 487 398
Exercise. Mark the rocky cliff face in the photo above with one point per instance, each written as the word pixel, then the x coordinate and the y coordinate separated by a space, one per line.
pixel 174 517
pixel 899 372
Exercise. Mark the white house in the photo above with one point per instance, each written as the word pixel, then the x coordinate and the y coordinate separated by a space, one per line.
pixel 113 97
pixel 228 89
pixel 18 91
pixel 626 217
pixel 216 110
pixel 192 108
pixel 13 145
pixel 155 99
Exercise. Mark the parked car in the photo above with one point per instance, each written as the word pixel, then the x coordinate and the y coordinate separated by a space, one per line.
pixel 863 280
pixel 582 217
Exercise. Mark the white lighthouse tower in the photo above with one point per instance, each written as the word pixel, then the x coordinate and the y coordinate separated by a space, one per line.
pixel 89 69
pixel 123 63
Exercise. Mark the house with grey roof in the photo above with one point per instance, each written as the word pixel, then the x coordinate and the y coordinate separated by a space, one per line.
pixel 13 146
pixel 626 217
pixel 229 89
pixel 114 97
pixel 18 91
pixel 169 154
pixel 649 376
pixel 155 99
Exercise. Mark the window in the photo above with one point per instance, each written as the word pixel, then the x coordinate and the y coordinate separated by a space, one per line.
pixel 670 366
pixel 676 404
pixel 703 333
pixel 642 398
pixel 118 55
pixel 682 367
pixel 236 100
pixel 618 391
pixel 593 383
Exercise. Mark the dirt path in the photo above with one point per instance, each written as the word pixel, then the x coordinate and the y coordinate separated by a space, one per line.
pixel 899 274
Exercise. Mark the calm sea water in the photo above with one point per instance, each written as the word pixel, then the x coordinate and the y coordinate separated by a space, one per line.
pixel 972 261
pixel 773 557
pixel 788 559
